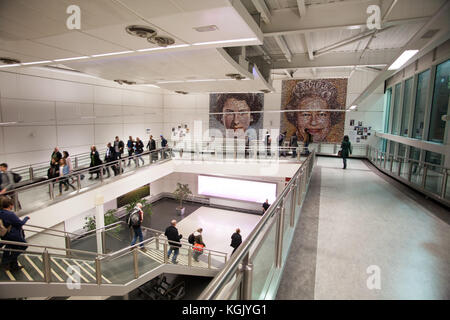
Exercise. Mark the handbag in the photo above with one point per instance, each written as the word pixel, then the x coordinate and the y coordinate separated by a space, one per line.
pixel 340 153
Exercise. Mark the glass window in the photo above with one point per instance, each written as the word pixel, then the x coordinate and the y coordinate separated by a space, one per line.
pixel 421 100
pixel 392 147
pixel 401 150
pixel 387 109
pixel 396 111
pixel 406 106
pixel 414 153
pixel 433 157
pixel 440 102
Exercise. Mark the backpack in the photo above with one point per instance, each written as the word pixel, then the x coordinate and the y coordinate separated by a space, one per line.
pixel 17 177
pixel 191 239
pixel 135 218
pixel 3 229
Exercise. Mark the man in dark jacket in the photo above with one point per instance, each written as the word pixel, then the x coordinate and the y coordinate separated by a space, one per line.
pixel 236 240
pixel 174 241
pixel 139 149
pixel 110 156
pixel 266 205
pixel 130 147
pixel 56 155
pixel 151 145
pixel 95 161
pixel 118 148
pixel 9 219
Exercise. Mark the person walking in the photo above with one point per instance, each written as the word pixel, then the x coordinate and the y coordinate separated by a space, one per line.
pixel 198 244
pixel 118 148
pixel 151 146
pixel 266 205
pixel 174 241
pixel 281 138
pixel 130 147
pixel 56 155
pixel 268 141
pixel 139 149
pixel 7 183
pixel 236 240
pixel 95 161
pixel 294 145
pixel 64 171
pixel 135 220
pixel 308 138
pixel 163 145
pixel 110 156
pixel 346 149
pixel 15 233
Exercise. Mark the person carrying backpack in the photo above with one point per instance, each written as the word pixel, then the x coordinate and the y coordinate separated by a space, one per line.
pixel 8 179
pixel 135 220
pixel 198 244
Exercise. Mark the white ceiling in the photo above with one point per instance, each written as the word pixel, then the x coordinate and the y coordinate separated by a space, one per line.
pixel 35 30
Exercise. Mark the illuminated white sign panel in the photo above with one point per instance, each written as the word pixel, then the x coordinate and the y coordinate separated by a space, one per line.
pixel 245 190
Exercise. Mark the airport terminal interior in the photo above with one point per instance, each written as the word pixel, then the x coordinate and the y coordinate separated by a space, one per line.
pixel 224 149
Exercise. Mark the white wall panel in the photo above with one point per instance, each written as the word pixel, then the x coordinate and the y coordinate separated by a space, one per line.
pixel 28 111
pixel 105 95
pixel 75 135
pixel 69 113
pixel 105 133
pixel 23 139
pixel 106 114
pixel 68 91
pixel 8 85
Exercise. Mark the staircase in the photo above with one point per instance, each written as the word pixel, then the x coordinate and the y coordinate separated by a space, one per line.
pixel 70 272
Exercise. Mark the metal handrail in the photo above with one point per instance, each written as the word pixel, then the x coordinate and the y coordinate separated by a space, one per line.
pixel 78 172
pixel 16 243
pixel 216 284
pixel 185 242
pixel 47 229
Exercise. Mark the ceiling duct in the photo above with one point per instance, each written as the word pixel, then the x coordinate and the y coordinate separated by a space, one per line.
pixel 161 41
pixel 235 76
pixel 141 31
pixel 9 60
pixel 119 81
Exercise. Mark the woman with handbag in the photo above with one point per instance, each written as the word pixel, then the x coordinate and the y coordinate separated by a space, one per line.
pixel 346 149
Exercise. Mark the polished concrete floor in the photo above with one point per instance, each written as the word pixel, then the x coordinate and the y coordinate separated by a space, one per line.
pixel 358 220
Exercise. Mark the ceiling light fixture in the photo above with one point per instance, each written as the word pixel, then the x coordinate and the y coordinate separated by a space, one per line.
pixel 175 81
pixel 149 85
pixel 163 48
pixel 7 123
pixel 404 57
pixel 69 59
pixel 352 107
pixel 110 54
pixel 206 28
pixel 224 41
pixel 10 65
pixel 36 62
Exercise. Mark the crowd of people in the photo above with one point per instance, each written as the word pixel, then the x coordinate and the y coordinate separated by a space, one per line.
pixel 136 218
pixel 61 164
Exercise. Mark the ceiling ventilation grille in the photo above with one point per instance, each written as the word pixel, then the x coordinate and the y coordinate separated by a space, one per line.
pixel 119 81
pixel 161 41
pixel 430 34
pixel 235 76
pixel 9 60
pixel 141 31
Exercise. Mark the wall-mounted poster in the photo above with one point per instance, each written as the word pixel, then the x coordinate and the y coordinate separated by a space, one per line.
pixel 309 101
pixel 236 114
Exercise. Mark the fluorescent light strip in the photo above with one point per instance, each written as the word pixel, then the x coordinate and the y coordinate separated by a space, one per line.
pixel 404 57
pixel 36 62
pixel 163 48
pixel 68 59
pixel 149 85
pixel 6 123
pixel 177 81
pixel 224 41
pixel 200 80
pixel 110 54
pixel 352 107
pixel 10 65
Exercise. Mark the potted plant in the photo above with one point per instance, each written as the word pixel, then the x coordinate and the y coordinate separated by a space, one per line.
pixel 110 218
pixel 181 193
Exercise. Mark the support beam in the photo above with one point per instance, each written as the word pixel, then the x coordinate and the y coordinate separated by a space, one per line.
pixel 345 42
pixel 284 47
pixel 290 73
pixel 301 8
pixel 309 45
pixel 339 59
pixel 343 16
pixel 260 5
